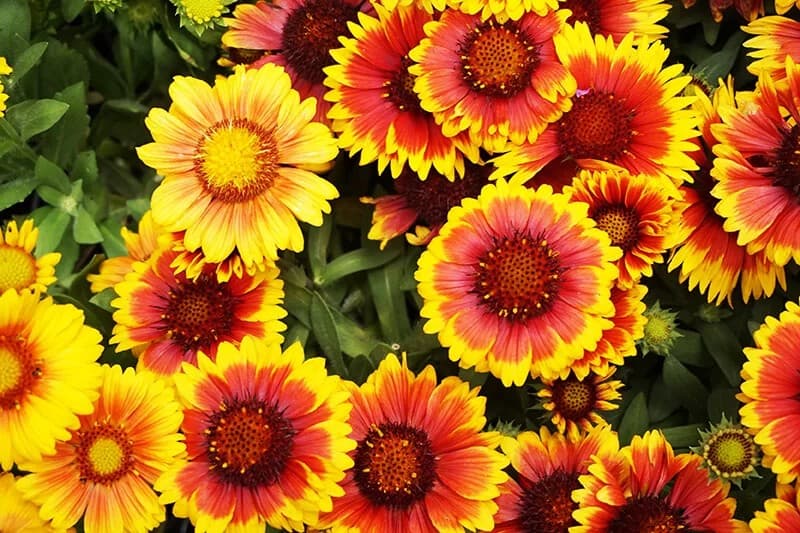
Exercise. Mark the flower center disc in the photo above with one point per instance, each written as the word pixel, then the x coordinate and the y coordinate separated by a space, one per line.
pixel 497 60
pixel 311 31
pixel 199 312
pixel 518 279
pixel 400 89
pixel 18 372
pixel 546 505
pixel 647 515
pixel 732 452
pixel 433 198
pixel 597 127
pixel 587 11
pixel 573 399
pixel 249 443
pixel 394 465
pixel 17 268
pixel 201 11
pixel 237 160
pixel 620 222
pixel 104 453
pixel 787 163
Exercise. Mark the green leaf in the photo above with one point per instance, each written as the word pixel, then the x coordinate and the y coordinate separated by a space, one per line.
pixel 113 244
pixel 389 300
pixel 51 230
pixel 63 141
pixel 61 67
pixel 661 402
pixel 635 420
pixel 13 192
pixel 103 299
pixel 15 24
pixel 721 343
pixel 357 261
pixel 360 369
pixel 35 116
pixel 49 174
pixel 683 436
pixel 71 9
pixel 297 302
pixel 684 385
pixel 85 167
pixel 722 400
pixel 27 60
pixel 297 332
pixel 69 257
pixel 688 349
pixel 324 328
pixel 719 64
pixel 318 240
pixel 85 231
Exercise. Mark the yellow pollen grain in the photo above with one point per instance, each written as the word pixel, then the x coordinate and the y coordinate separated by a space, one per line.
pixel 201 11
pixel 10 370
pixel 232 157
pixel 17 268
pixel 106 456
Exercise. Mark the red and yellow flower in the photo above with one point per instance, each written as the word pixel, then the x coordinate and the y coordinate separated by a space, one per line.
pixel 267 440
pixel 770 390
pixel 548 466
pixel 518 282
pixel 48 374
pixel 167 318
pixel 780 514
pixel 237 160
pixel 375 110
pixel 20 269
pixel 617 18
pixel 104 472
pixel 500 81
pixel 626 112
pixel 757 184
pixel 19 515
pixel 638 212
pixel 422 462
pixel 775 38
pixel 628 491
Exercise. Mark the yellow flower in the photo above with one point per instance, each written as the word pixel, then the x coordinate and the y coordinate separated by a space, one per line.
pixel 19 268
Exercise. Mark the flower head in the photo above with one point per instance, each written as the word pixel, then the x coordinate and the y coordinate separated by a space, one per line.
pixel 236 160
pixel 20 269
pixel 775 38
pixel 422 463
pixel 104 472
pixel 617 18
pixel 48 374
pixel 167 318
pixel 626 112
pixel 200 15
pixel 266 436
pixel 518 282
pixel 660 330
pixel 728 451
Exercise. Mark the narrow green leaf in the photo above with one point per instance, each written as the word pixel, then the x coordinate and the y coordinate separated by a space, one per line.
pixel 683 436
pixel 389 300
pixel 688 349
pixel 324 328
pixel 50 174
pixel 35 116
pixel 684 385
pixel 318 241
pixel 661 402
pixel 356 261
pixel 13 192
pixel 113 245
pixel 721 343
pixel 103 299
pixel 27 60
pixel 297 302
pixel 635 420
pixel 719 64
pixel 51 230
pixel 84 230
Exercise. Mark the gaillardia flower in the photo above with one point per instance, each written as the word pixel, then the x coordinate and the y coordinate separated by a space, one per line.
pixel 518 282
pixel 422 463
pixel 646 487
pixel 780 515
pixel 236 160
pixel 20 269
pixel 660 330
pixel 747 9
pixel 548 466
pixel 770 390
pixel 573 404
pixel 708 256
pixel 104 472
pixel 728 451
pixel 758 185
pixel 775 38
pixel 5 70
pixel 140 246
pixel 200 15
pixel 266 434
pixel 17 514
pixel 296 34
pixel 617 18
pixel 48 374
pixel 422 204
pixel 501 81
pixel 167 318
pixel 375 110
pixel 626 112
pixel 638 213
